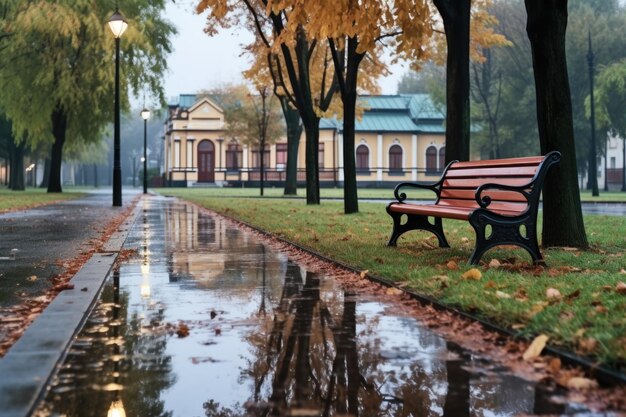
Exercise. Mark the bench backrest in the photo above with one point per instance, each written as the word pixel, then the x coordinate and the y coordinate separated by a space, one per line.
pixel 461 179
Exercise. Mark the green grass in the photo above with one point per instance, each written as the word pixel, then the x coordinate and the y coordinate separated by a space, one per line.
pixel 364 193
pixel 590 319
pixel 31 197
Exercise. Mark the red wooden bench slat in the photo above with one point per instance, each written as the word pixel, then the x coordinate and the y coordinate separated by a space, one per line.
pixel 495 195
pixel 530 160
pixel 473 183
pixel 526 171
pixel 515 208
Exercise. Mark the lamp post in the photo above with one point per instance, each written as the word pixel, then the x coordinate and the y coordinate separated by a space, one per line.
pixel 145 115
pixel 118 25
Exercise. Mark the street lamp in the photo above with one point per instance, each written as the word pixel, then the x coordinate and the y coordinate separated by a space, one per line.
pixel 118 25
pixel 145 115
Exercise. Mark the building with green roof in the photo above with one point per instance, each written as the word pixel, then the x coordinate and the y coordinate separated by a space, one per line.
pixel 398 138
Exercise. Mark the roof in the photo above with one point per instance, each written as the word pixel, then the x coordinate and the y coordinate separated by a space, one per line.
pixel 395 113
pixel 184 101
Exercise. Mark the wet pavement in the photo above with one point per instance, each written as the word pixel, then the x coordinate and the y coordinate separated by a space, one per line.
pixel 206 320
pixel 33 241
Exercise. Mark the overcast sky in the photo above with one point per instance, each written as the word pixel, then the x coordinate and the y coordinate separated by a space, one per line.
pixel 200 62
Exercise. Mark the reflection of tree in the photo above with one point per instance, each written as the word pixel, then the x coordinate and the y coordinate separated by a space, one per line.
pixel 457 402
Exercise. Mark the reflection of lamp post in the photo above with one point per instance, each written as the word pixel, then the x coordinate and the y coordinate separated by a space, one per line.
pixel 145 115
pixel 118 25
pixel 116 409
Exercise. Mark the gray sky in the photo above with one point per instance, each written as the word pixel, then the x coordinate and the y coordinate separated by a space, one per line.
pixel 200 62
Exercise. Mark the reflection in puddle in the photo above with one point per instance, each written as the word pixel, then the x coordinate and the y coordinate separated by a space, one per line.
pixel 208 321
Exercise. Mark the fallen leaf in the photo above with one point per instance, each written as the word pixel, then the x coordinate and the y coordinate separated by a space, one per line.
pixel 464 240
pixel 394 291
pixel 451 265
pixel 581 383
pixel 32 278
pixel 622 271
pixel 363 274
pixel 554 365
pixel 587 345
pixel 182 330
pixel 473 274
pixel 573 295
pixel 537 308
pixel 490 284
pixel 621 288
pixel 535 348
pixel 494 263
pixel 553 294
pixel 502 295
pixel 602 309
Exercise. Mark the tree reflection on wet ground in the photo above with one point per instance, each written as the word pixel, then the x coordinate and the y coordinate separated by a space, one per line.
pixel 208 321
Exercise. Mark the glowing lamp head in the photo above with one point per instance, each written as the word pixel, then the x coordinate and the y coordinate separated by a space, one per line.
pixel 117 24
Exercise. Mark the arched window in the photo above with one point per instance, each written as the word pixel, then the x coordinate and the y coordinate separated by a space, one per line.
pixel 233 156
pixel 442 158
pixel 395 158
pixel 362 158
pixel 431 160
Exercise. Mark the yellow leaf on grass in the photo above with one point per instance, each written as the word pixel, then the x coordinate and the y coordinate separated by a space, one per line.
pixel 364 273
pixel 473 274
pixel 535 348
pixel 502 295
pixel 495 264
pixel 553 294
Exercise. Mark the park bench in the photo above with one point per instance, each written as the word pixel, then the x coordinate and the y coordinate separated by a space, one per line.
pixel 498 197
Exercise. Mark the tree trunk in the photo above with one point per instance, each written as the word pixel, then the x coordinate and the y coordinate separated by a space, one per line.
pixel 562 215
pixel 16 180
pixel 59 127
pixel 348 97
pixel 312 134
pixel 294 131
pixel 46 174
pixel 456 22
pixel 457 402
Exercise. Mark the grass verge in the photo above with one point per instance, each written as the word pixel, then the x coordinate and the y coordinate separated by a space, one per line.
pixel 586 313
pixel 364 193
pixel 31 197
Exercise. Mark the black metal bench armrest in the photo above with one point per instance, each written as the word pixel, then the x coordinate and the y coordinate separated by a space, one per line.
pixel 484 201
pixel 434 187
pixel 402 196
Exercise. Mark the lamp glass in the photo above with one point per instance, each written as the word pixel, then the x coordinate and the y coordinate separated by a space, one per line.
pixel 145 114
pixel 117 24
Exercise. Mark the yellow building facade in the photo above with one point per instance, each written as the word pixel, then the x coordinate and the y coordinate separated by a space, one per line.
pixel 398 138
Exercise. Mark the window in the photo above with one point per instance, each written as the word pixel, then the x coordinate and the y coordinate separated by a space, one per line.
pixel 362 158
pixel 281 155
pixel 431 160
pixel 256 158
pixel 233 156
pixel 442 158
pixel 395 158
pixel 320 155
pixel 177 154
pixel 613 163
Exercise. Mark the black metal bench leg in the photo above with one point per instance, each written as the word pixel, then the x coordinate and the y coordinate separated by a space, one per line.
pixel 504 231
pixel 416 222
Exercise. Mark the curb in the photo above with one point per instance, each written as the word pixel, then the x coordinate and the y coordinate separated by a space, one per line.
pixel 29 365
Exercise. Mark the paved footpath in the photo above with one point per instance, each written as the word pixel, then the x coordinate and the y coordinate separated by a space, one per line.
pixel 42 236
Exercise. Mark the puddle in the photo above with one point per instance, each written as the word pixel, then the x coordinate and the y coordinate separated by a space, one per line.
pixel 207 321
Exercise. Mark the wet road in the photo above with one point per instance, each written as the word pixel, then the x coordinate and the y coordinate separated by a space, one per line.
pixel 206 320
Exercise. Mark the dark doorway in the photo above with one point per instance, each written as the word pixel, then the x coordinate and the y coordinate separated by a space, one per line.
pixel 206 161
